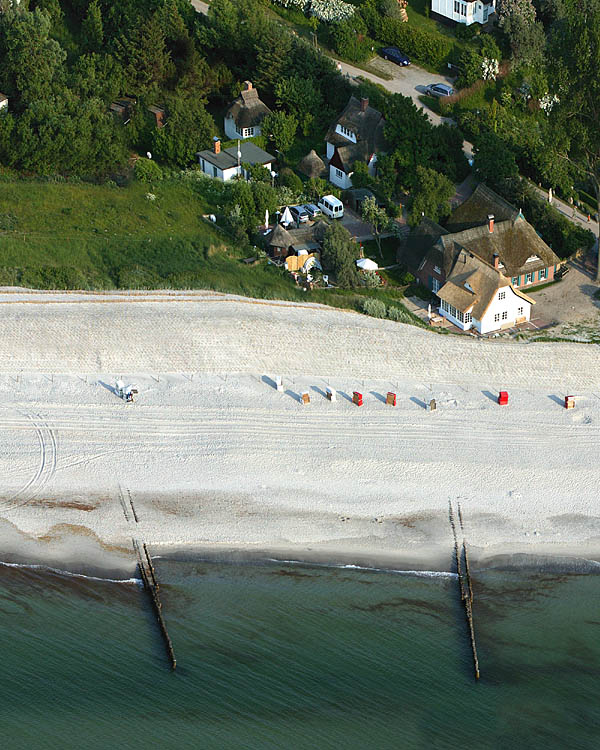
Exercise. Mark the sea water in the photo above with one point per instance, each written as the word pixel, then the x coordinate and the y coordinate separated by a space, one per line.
pixel 280 655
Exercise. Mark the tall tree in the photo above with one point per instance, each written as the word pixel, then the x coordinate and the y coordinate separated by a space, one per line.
pixel 575 48
pixel 431 197
pixel 92 28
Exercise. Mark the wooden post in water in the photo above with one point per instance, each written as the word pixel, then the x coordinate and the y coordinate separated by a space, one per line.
pixel 464 581
pixel 151 585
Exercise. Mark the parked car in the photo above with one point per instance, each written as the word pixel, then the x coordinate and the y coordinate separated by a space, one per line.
pixel 299 213
pixel 440 89
pixel 561 272
pixel 394 54
pixel 312 210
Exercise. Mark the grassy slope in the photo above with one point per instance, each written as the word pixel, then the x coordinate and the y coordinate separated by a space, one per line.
pixel 65 236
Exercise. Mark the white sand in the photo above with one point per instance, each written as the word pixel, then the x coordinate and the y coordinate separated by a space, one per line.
pixel 213 456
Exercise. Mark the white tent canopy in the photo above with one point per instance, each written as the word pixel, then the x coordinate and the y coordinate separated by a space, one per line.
pixel 366 264
pixel 286 217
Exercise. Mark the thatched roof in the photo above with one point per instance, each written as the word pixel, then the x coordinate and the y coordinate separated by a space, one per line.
pixel 475 210
pixel 366 124
pixel 513 241
pixel 248 110
pixel 280 237
pixel 312 165
pixel 473 284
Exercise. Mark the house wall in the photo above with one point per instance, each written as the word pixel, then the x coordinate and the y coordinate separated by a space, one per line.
pixel 510 304
pixel 232 133
pixel 429 274
pixel 521 281
pixel 467 13
pixel 330 149
pixel 457 322
pixel 342 180
pixel 372 165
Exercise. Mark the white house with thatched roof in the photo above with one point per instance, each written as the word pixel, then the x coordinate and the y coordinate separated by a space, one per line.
pixel 478 295
pixel 245 116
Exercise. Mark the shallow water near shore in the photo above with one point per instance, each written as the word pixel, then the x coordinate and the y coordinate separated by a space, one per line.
pixel 279 655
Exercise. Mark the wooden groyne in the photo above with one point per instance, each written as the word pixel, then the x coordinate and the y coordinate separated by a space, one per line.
pixel 148 575
pixel 465 582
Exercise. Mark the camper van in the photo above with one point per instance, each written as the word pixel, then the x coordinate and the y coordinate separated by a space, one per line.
pixel 331 206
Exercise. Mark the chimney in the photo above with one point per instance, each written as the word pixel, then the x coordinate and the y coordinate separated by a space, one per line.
pixel 491 222
pixel 247 85
pixel 364 103
pixel 217 144
pixel 496 257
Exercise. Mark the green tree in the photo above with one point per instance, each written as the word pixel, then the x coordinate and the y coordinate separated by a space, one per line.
pixel 339 255
pixel 92 29
pixel 281 129
pixel 273 48
pixel 188 129
pixel 378 219
pixel 300 97
pixel 495 161
pixel 431 196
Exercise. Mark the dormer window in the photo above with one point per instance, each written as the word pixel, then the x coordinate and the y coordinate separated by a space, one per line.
pixel 469 287
pixel 346 132
pixel 532 258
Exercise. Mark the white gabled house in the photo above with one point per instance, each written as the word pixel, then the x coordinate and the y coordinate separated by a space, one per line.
pixel 477 295
pixel 225 164
pixel 357 135
pixel 459 11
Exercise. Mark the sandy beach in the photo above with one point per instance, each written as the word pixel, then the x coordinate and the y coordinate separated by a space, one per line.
pixel 215 459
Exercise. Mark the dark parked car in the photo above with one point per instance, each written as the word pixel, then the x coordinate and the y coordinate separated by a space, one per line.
pixel 394 54
pixel 440 89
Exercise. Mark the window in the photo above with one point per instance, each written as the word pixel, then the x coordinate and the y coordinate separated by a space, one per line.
pixel 468 318
pixel 501 295
pixel 339 174
pixel 497 318
pixel 346 131
pixel 528 278
pixel 435 285
pixel 248 132
pixel 456 6
pixel 215 171
pixel 543 274
pixel 519 311
pixel 504 315
pixel 203 165
pixel 515 280
pixel 463 9
pixel 532 258
pixel 437 269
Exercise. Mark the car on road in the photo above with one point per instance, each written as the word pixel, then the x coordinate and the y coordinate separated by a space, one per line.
pixel 312 211
pixel 299 213
pixel 439 89
pixel 394 54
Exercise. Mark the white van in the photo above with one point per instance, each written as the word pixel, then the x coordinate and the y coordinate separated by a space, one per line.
pixel 331 206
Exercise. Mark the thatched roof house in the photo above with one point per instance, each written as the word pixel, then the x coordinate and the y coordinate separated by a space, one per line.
pixel 312 165
pixel 244 118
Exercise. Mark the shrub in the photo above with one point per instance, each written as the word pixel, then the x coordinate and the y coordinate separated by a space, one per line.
pixel 373 307
pixel 147 170
pixel 399 315
pixel 289 179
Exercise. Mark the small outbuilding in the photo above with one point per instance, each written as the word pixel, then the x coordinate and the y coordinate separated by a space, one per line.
pixel 244 118
pixel 312 165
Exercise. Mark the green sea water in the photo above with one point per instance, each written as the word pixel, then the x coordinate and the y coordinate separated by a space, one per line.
pixel 291 656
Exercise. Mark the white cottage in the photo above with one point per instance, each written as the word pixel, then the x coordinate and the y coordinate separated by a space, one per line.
pixel 458 11
pixel 244 118
pixel 477 295
pixel 225 164
pixel 357 135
